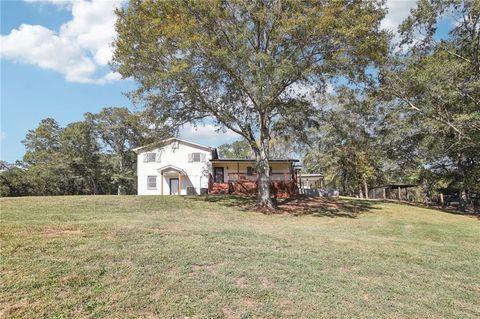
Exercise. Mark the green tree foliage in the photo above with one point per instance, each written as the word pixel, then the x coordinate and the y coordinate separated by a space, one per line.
pixel 93 156
pixel 344 147
pixel 120 131
pixel 47 173
pixel 81 152
pixel 13 182
pixel 237 149
pixel 238 61
pixel 433 92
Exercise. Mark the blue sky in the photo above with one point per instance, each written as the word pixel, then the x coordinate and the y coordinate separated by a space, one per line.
pixel 54 63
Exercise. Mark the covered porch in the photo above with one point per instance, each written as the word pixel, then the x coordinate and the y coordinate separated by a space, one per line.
pixel 238 176
pixel 172 180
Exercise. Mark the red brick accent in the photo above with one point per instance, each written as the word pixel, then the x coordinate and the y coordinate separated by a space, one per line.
pixel 220 188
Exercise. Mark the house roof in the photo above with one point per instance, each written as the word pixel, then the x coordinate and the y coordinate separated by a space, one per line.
pixel 275 160
pixel 171 139
pixel 209 148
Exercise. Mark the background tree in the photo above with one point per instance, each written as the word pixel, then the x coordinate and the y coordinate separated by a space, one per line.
pixel 120 131
pixel 434 86
pixel 238 62
pixel 93 156
pixel 237 149
pixel 82 153
pixel 344 146
pixel 13 182
pixel 47 172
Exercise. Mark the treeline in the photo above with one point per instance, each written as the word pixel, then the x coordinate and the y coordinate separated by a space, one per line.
pixel 418 121
pixel 93 156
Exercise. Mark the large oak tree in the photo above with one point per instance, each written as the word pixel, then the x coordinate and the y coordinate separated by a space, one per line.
pixel 241 63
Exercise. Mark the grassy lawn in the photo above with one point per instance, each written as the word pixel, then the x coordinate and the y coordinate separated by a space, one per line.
pixel 109 256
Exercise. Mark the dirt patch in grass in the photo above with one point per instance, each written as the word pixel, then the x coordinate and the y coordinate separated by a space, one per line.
pixel 266 283
pixel 56 232
pixel 249 302
pixel 241 282
pixel 229 313
pixel 169 229
pixel 212 268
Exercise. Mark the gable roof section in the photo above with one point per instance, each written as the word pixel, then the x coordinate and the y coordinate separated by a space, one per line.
pixel 171 168
pixel 140 149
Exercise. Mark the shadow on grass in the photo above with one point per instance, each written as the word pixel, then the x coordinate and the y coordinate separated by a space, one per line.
pixel 298 206
pixel 325 206
pixel 470 212
pixel 242 202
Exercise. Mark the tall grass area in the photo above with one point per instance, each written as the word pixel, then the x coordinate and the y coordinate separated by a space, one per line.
pixel 128 256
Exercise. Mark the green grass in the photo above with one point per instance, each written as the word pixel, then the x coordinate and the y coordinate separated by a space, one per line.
pixel 130 257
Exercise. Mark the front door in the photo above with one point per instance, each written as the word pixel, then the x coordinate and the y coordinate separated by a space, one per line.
pixel 218 174
pixel 173 186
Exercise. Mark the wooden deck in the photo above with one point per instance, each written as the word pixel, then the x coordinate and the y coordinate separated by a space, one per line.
pixel 279 189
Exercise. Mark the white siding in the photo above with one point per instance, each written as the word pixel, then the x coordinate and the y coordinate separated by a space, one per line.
pixel 197 172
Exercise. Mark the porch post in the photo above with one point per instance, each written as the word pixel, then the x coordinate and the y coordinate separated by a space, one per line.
pixel 179 183
pixel 161 183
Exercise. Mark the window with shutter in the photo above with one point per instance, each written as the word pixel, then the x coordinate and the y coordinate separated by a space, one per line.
pixel 203 157
pixel 196 157
pixel 249 170
pixel 149 157
pixel 152 182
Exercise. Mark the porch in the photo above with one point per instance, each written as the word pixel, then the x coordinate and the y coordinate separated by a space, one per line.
pixel 239 177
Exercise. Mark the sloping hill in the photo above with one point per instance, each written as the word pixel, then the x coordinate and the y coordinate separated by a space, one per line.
pixel 111 256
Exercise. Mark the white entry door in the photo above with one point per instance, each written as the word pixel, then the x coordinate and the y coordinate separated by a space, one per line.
pixel 173 186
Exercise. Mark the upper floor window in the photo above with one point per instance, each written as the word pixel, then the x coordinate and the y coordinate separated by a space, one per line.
pixel 196 157
pixel 151 157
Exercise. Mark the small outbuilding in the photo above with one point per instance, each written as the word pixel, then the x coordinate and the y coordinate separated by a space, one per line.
pixel 310 181
pixel 393 191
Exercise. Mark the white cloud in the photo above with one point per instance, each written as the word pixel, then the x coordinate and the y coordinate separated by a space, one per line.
pixel 80 50
pixel 3 135
pixel 398 10
pixel 207 135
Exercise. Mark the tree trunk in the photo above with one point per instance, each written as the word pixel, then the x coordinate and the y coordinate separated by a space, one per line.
pixel 120 190
pixel 463 192
pixel 264 201
pixel 463 199
pixel 365 186
pixel 94 187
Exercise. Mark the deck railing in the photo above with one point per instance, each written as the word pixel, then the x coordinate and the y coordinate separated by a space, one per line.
pixel 274 177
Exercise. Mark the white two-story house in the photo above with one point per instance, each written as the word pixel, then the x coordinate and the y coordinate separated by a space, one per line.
pixel 173 167
pixel 179 167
